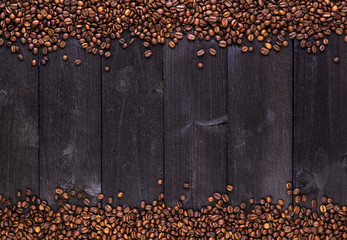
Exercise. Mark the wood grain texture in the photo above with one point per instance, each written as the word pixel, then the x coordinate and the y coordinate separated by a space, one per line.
pixel 195 122
pixel 132 118
pixel 260 117
pixel 70 128
pixel 19 123
pixel 320 137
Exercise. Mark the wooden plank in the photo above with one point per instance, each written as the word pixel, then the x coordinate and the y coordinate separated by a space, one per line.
pixel 320 142
pixel 70 131
pixel 195 122
pixel 19 123
pixel 132 118
pixel 260 132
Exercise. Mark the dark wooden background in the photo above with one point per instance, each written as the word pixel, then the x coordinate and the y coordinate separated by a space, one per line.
pixel 245 119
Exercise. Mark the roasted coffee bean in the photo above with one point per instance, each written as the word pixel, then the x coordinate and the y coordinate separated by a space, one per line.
pixel 217 196
pixel 183 197
pixel 160 181
pixel 200 65
pixel 296 191
pixel 186 185
pixel 212 51
pixel 225 198
pixel 264 51
pixel 86 201
pixel 33 62
pixel 200 53
pixel 100 196
pixel 120 194
pixel 106 69
pixel 230 188
pixel 20 57
pixel 78 62
pixel 148 53
pixel 336 60
pixel 65 57
pixel 59 191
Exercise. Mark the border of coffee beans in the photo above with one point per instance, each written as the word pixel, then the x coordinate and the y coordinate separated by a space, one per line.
pixel 33 218
pixel 45 25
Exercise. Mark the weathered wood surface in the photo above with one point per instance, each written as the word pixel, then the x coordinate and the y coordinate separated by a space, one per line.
pixel 260 123
pixel 132 123
pixel 320 114
pixel 195 118
pixel 19 137
pixel 247 120
pixel 70 123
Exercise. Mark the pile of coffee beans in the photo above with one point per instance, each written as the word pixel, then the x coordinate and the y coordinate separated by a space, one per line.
pixel 32 218
pixel 46 25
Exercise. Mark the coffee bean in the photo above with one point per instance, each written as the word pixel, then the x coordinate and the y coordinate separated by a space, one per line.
pixel 210 199
pixel 120 194
pixel 20 57
pixel 107 54
pixel 296 191
pixel 314 203
pixel 19 193
pixel 183 197
pixel 106 69
pixel 200 65
pixel 65 195
pixel 172 44
pixel 148 53
pixel 225 198
pixel 230 188
pixel 212 51
pixel 100 196
pixel 336 60
pixel 110 200
pixel 200 53
pixel 222 44
pixel 65 57
pixel 289 185
pixel 191 37
pixel 186 185
pixel 160 181
pixel 33 62
pixel 86 201
pixel 323 208
pixel 59 191
pixel 264 51
pixel 217 196
pixel 78 62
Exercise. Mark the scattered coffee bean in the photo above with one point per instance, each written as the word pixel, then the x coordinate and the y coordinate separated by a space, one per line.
pixel 100 196
pixel 78 62
pixel 212 51
pixel 65 57
pixel 183 197
pixel 148 53
pixel 20 57
pixel 120 194
pixel 264 51
pixel 200 65
pixel 230 188
pixel 33 62
pixel 200 53
pixel 186 185
pixel 160 181
pixel 336 60
pixel 106 69
pixel 59 191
